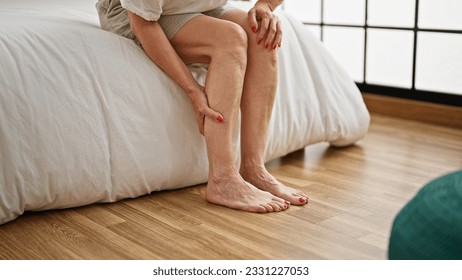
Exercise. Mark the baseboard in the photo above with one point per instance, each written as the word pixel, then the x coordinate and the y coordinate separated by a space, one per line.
pixel 414 110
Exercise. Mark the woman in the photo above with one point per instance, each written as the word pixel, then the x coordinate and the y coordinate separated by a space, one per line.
pixel 241 50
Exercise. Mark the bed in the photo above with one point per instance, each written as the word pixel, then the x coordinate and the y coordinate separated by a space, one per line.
pixel 86 117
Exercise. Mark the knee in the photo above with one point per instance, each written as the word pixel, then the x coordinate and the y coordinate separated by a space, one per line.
pixel 232 43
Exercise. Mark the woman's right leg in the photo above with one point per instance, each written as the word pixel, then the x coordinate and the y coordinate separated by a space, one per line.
pixel 223 45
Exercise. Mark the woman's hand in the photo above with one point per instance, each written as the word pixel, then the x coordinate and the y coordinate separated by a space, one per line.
pixel 268 25
pixel 202 109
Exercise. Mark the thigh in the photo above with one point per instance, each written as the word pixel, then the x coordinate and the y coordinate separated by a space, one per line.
pixel 240 17
pixel 202 36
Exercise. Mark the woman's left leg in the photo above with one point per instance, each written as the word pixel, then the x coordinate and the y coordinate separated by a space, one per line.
pixel 260 85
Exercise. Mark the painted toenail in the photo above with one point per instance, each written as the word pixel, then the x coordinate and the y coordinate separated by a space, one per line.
pixel 301 199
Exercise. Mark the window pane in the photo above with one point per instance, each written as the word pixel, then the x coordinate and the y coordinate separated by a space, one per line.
pixel 439 62
pixel 440 14
pixel 345 12
pixel 389 57
pixel 396 13
pixel 305 10
pixel 346 44
pixel 315 30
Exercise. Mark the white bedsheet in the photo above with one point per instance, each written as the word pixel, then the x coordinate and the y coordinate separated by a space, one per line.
pixel 86 117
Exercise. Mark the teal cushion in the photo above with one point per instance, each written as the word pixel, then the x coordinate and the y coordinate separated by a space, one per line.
pixel 429 227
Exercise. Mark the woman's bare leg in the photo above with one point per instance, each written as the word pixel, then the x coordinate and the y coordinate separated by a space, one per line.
pixel 259 92
pixel 224 47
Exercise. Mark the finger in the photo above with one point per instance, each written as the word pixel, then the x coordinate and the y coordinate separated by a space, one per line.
pixel 271 34
pixel 200 123
pixel 252 15
pixel 214 115
pixel 263 29
pixel 278 37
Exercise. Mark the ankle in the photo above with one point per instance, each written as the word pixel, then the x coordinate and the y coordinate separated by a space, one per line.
pixel 221 173
pixel 252 166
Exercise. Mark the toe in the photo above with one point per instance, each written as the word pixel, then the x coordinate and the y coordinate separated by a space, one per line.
pixel 303 195
pixel 258 209
pixel 276 207
pixel 283 205
pixel 297 199
pixel 268 208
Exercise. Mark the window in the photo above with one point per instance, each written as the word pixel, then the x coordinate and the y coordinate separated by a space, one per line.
pixel 404 48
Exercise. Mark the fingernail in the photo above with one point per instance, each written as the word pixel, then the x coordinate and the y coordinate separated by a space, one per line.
pixel 301 199
pixel 267 45
pixel 254 29
pixel 259 41
pixel 220 119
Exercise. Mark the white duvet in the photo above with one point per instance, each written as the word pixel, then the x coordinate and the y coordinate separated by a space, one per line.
pixel 86 117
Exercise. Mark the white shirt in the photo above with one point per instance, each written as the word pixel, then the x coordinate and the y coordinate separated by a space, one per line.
pixel 152 9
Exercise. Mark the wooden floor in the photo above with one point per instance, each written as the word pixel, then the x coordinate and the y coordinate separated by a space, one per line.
pixel 355 194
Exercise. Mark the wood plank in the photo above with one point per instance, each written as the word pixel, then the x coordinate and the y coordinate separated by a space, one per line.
pixel 355 194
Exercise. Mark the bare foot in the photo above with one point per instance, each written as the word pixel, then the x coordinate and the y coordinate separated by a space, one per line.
pixel 235 193
pixel 263 180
